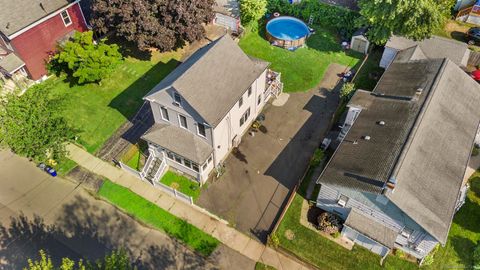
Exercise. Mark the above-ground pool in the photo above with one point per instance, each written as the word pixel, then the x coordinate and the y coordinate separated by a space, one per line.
pixel 287 32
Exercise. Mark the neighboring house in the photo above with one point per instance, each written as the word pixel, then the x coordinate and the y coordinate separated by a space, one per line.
pixel 431 48
pixel 204 107
pixel 31 29
pixel 396 178
pixel 227 14
pixel 468 11
pixel 461 4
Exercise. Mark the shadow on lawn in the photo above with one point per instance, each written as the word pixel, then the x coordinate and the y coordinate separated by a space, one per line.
pixel 89 232
pixel 464 248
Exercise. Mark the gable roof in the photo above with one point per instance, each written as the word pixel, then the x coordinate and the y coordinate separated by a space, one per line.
pixel 424 145
pixel 432 48
pixel 213 79
pixel 11 63
pixel 371 228
pixel 18 14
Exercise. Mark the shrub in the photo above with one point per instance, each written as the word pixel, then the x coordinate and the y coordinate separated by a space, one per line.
pixel 273 240
pixel 317 157
pixel 335 235
pixel 475 151
pixel 428 260
pixel 252 10
pixel 84 60
pixel 476 257
pixel 347 91
pixel 328 223
pixel 340 18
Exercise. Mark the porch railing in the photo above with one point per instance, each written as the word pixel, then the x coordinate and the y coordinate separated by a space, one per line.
pixel 145 168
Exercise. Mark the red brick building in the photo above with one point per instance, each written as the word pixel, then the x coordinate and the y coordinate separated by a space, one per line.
pixel 31 29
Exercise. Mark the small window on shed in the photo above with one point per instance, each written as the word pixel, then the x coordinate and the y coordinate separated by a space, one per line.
pixel 66 18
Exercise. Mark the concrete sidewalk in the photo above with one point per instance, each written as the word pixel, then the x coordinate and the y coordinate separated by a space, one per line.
pixel 194 215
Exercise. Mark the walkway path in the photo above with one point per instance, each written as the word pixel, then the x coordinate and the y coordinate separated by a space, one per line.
pixel 194 215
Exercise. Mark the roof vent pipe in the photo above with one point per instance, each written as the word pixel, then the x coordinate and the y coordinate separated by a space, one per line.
pixel 381 123
pixel 366 138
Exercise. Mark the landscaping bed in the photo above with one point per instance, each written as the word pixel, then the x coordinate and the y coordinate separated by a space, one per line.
pixel 304 68
pixel 149 213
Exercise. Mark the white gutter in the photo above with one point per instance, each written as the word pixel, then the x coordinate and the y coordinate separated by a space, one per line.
pixel 51 15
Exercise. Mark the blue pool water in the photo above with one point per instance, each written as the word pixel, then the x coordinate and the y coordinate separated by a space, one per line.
pixel 287 28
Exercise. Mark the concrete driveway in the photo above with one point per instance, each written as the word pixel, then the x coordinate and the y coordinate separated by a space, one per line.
pixel 261 174
pixel 41 212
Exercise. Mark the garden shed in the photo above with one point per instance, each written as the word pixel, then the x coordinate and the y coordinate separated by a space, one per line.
pixel 359 41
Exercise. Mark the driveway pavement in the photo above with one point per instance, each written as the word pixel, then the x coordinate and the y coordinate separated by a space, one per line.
pixel 41 212
pixel 261 174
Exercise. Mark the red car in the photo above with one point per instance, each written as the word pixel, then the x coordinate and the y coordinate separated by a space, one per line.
pixel 475 75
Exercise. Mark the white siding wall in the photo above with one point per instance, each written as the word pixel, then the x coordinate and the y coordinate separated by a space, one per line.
pixel 387 57
pixel 229 128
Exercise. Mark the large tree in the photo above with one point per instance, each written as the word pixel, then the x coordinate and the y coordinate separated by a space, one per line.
pixel 252 10
pixel 163 24
pixel 32 124
pixel 85 60
pixel 415 19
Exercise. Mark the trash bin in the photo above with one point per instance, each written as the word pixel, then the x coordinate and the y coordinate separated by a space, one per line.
pixel 51 171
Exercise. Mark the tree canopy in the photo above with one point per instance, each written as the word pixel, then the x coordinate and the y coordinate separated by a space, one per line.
pixel 85 60
pixel 414 19
pixel 32 125
pixel 252 10
pixel 163 24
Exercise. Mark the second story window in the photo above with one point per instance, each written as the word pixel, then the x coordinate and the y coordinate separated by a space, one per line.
pixel 259 99
pixel 245 117
pixel 177 98
pixel 201 130
pixel 249 91
pixel 165 114
pixel 66 18
pixel 183 121
pixel 240 102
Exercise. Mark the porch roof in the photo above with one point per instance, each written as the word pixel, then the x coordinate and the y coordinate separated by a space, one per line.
pixel 372 229
pixel 179 141
pixel 11 63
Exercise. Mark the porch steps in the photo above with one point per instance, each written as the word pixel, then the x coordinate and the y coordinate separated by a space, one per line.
pixel 154 167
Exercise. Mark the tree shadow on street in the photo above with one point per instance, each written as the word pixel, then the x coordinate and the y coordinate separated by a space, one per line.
pixel 91 231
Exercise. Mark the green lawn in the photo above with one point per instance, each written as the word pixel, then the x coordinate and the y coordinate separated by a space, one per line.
pixel 182 184
pixel 153 215
pixel 304 68
pixel 370 72
pixel 457 254
pixel 97 111
pixel 262 266
pixel 65 166
pixel 134 161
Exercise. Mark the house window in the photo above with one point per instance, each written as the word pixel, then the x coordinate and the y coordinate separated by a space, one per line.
pixel 170 155
pixel 209 159
pixel 177 98
pixel 240 102
pixel 249 91
pixel 342 201
pixel 178 159
pixel 244 117
pixel 195 167
pixel 259 99
pixel 201 130
pixel 165 114
pixel 187 163
pixel 204 167
pixel 183 121
pixel 407 232
pixel 66 18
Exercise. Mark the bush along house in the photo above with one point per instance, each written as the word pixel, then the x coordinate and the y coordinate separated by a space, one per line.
pixel 30 30
pixel 204 107
pixel 397 177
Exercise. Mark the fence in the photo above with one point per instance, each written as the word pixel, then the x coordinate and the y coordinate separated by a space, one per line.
pixel 173 192
pixel 474 59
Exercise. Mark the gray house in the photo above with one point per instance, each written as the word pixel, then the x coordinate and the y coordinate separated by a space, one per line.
pixel 397 176
pixel 431 48
pixel 204 107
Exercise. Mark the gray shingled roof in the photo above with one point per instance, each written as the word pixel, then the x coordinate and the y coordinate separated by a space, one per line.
pixel 11 62
pixel 18 14
pixel 213 79
pixel 180 141
pixel 369 227
pixel 434 47
pixel 425 144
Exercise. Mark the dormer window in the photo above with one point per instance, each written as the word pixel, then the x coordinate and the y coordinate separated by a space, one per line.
pixel 177 98
pixel 66 18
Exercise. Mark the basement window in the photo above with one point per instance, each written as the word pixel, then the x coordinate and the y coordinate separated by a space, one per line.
pixel 66 18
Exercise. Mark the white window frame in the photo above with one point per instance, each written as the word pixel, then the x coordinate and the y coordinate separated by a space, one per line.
pixel 245 117
pixel 180 121
pixel 204 130
pixel 68 16
pixel 249 91
pixel 259 99
pixel 178 102
pixel 240 102
pixel 163 116
pixel 342 200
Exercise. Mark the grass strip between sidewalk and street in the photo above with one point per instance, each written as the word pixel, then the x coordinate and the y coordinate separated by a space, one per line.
pixel 149 213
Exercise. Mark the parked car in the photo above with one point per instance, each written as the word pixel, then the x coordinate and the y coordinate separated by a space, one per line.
pixel 473 36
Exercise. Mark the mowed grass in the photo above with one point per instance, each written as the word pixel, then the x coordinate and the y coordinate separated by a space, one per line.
pixel 182 184
pixel 304 68
pixel 151 214
pixel 325 254
pixel 98 110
